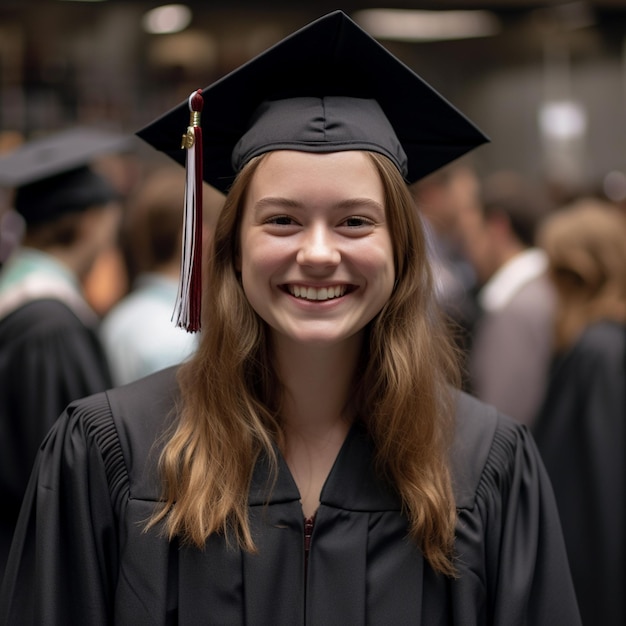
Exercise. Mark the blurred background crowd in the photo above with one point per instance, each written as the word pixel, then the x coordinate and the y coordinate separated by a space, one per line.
pixel 527 236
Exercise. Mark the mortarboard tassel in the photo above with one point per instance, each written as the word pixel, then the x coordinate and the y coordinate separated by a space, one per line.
pixel 187 309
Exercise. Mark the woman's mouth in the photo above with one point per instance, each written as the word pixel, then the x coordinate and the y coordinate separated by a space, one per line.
pixel 316 293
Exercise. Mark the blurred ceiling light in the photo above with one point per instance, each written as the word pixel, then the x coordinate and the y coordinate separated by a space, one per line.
pixel 407 25
pixel 166 19
pixel 562 119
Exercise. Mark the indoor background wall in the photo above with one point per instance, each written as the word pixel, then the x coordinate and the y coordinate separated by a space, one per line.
pixel 77 62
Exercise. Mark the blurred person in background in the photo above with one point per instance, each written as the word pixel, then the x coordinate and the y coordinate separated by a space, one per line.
pixel 580 430
pixel 108 281
pixel 511 348
pixel 49 350
pixel 440 198
pixel 138 333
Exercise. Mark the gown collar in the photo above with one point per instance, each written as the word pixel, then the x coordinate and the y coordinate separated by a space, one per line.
pixel 352 484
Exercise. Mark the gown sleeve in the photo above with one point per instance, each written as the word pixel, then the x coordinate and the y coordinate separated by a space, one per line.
pixel 62 565
pixel 513 529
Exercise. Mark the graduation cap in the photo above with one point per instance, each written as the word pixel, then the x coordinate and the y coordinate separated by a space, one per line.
pixel 52 176
pixel 329 86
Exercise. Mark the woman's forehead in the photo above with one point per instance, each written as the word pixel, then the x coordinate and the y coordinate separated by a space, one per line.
pixel 296 176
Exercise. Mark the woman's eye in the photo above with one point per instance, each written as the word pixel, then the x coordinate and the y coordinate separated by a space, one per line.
pixel 280 220
pixel 355 221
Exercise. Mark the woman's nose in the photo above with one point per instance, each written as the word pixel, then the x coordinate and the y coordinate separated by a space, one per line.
pixel 319 248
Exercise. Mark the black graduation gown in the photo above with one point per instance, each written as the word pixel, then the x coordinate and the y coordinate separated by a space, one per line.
pixel 48 357
pixel 81 555
pixel 581 435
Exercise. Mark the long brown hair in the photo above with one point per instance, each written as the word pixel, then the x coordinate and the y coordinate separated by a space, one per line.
pixel 231 397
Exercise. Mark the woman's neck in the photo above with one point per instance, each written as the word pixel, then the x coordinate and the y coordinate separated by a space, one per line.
pixel 318 381
pixel 317 411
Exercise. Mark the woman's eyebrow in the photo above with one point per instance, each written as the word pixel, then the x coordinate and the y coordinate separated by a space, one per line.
pixel 277 201
pixel 360 202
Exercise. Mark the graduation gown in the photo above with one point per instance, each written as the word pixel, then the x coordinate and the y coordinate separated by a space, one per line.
pixel 49 355
pixel 581 435
pixel 81 554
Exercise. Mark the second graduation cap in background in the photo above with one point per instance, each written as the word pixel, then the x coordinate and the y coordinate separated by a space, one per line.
pixel 329 86
pixel 53 175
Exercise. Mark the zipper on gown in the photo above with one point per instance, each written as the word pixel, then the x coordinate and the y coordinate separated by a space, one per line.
pixel 308 533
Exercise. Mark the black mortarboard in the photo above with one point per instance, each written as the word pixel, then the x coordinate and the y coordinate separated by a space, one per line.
pixel 332 56
pixel 52 175
pixel 329 86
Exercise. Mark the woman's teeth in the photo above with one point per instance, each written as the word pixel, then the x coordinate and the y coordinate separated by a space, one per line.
pixel 313 293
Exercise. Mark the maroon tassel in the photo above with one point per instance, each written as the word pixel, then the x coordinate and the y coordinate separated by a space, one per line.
pixel 187 311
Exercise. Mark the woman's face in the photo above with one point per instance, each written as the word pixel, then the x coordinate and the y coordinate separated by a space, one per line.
pixel 316 254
